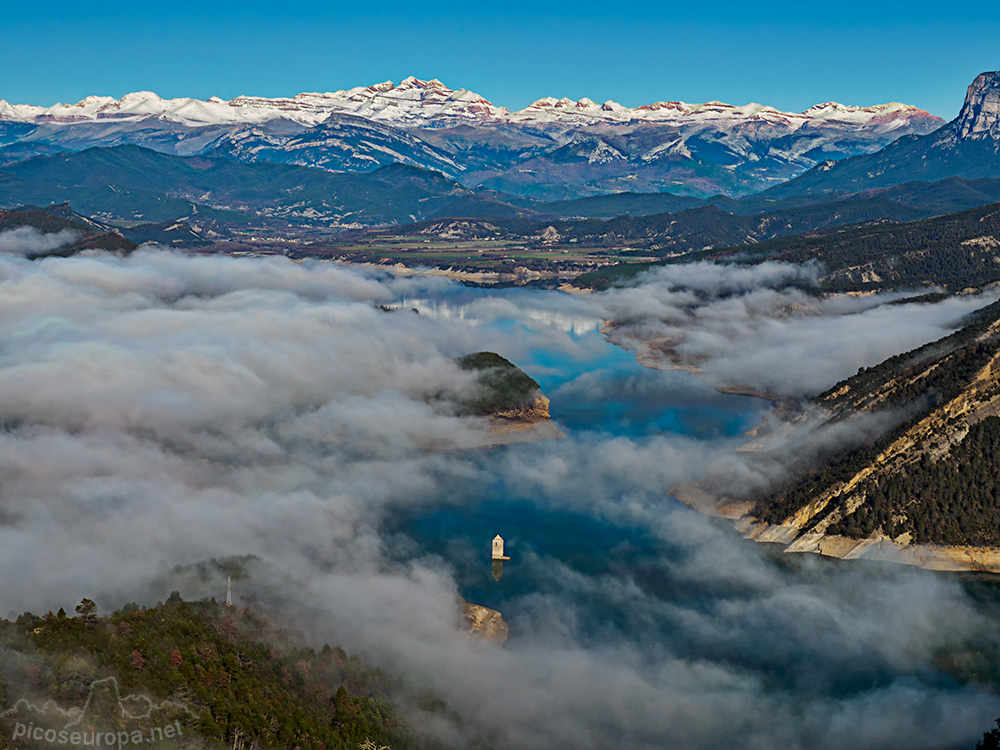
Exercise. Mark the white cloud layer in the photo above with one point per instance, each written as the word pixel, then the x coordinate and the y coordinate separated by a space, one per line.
pixel 29 241
pixel 161 410
pixel 761 327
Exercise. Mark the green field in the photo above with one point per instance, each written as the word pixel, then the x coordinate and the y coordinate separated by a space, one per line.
pixel 475 255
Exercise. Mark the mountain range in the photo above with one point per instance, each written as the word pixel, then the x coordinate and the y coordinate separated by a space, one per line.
pixel 968 146
pixel 269 170
pixel 553 149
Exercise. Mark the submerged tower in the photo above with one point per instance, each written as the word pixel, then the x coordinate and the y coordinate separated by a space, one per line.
pixel 498 557
pixel 498 548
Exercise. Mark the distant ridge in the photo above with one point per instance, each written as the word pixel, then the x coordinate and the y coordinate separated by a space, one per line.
pixel 418 102
pixel 968 146
pixel 554 149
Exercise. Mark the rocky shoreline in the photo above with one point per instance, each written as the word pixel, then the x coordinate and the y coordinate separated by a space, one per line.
pixel 524 425
pixel 954 559
pixel 482 623
pixel 793 535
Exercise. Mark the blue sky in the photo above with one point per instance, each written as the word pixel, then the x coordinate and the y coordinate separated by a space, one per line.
pixel 789 55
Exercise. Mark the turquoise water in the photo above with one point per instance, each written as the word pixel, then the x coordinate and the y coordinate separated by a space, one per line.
pixel 599 397
pixel 665 583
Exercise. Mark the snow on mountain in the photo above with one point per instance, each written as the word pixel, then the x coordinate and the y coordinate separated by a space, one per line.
pixel 967 147
pixel 415 103
pixel 553 149
pixel 341 143
pixel 412 102
pixel 883 117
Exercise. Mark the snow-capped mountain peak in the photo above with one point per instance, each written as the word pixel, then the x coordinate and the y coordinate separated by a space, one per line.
pixel 412 82
pixel 717 113
pixel 415 102
pixel 555 147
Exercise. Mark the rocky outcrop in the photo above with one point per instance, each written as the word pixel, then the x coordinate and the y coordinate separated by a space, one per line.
pixel 482 623
pixel 536 411
pixel 980 115
pixel 523 425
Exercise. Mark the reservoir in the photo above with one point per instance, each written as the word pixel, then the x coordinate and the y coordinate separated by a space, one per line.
pixel 603 557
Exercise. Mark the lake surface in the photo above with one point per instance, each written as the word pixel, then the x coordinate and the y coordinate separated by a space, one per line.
pixel 601 396
pixel 607 561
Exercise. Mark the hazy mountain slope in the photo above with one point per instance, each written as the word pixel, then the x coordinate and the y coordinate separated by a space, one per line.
pixel 620 204
pixel 610 162
pixel 341 143
pixel 954 251
pixel 709 226
pixel 931 198
pixel 946 196
pixel 705 226
pixel 129 183
pixel 59 231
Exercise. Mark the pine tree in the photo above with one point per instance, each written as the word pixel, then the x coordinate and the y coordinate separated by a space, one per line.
pixel 87 610
pixel 990 740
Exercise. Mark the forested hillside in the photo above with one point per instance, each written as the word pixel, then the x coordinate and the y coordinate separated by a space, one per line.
pixel 935 476
pixel 229 677
pixel 955 251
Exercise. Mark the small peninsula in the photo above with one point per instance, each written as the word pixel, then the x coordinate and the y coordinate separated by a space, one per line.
pixel 509 400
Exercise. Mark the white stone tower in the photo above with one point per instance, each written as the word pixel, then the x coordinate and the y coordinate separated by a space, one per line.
pixel 229 591
pixel 498 548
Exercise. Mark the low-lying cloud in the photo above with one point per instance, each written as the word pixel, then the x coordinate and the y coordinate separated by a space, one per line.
pixel 29 241
pixel 160 410
pixel 763 327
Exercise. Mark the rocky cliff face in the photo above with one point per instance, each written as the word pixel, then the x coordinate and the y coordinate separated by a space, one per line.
pixel 523 425
pixel 980 115
pixel 537 411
